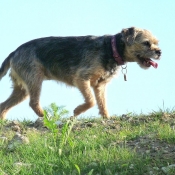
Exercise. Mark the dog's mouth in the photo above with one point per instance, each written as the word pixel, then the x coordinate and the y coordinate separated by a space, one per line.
pixel 147 62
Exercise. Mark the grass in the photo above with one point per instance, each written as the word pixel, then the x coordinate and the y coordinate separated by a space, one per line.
pixel 91 146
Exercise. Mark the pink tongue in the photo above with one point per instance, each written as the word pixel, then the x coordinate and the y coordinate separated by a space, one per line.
pixel 152 63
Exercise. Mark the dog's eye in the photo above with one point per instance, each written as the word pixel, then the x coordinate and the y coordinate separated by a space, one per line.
pixel 147 43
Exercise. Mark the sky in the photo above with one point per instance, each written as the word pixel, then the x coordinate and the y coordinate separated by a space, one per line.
pixel 145 91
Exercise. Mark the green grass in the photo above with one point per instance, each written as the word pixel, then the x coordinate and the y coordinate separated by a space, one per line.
pixel 95 149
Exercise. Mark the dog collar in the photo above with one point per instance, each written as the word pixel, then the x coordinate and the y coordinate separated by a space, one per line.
pixel 116 55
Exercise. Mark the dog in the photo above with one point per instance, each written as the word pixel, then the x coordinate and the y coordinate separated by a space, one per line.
pixel 85 62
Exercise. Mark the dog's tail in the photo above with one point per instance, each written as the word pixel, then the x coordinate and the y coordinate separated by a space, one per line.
pixel 5 65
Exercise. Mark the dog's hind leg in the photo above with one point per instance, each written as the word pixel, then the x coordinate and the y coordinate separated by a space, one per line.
pixel 18 95
pixel 85 89
pixel 101 99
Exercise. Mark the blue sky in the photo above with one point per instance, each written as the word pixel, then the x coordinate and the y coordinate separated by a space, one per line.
pixel 145 90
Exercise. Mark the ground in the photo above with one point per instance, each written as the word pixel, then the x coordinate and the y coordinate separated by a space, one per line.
pixel 149 140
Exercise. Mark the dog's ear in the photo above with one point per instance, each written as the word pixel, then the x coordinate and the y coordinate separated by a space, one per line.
pixel 129 35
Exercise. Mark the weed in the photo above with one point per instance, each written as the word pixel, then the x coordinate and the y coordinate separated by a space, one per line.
pixel 51 116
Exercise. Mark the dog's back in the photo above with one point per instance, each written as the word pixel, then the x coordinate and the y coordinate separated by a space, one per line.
pixel 60 58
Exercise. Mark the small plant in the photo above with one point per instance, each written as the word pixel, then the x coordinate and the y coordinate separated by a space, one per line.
pixel 51 116
pixel 66 130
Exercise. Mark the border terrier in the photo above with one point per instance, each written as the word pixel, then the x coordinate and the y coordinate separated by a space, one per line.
pixel 85 62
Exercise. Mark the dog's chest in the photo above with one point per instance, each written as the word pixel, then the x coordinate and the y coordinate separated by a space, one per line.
pixel 103 76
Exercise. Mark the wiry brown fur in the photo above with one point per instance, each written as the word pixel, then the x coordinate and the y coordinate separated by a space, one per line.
pixel 84 62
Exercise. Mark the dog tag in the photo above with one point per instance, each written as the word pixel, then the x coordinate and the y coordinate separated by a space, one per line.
pixel 124 72
pixel 125 77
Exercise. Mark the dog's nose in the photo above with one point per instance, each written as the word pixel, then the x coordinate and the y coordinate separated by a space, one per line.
pixel 158 52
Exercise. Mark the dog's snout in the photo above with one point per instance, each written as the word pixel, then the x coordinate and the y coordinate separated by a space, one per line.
pixel 158 52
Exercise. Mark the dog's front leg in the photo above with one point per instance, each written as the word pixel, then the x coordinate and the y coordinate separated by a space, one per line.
pixel 85 89
pixel 101 100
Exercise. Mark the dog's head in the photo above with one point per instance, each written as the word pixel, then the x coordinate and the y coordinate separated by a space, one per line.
pixel 140 47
